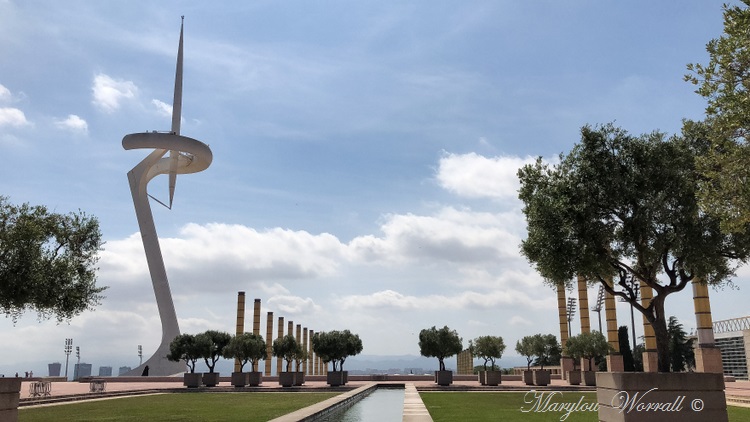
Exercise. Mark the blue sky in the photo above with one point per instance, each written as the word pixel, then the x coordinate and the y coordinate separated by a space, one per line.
pixel 364 153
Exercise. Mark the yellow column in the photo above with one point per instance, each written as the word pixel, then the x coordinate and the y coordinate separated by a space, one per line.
pixel 256 318
pixel 240 322
pixel 583 304
pixel 311 357
pixel 650 356
pixel 280 334
pixel 298 337
pixel 707 355
pixel 269 343
pixel 304 347
pixel 615 362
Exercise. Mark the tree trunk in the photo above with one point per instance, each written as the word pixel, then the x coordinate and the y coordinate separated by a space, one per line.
pixel 662 340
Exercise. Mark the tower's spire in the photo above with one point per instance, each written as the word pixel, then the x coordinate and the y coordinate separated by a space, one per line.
pixel 177 103
pixel 176 117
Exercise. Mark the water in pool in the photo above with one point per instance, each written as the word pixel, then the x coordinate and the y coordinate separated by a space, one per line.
pixel 382 405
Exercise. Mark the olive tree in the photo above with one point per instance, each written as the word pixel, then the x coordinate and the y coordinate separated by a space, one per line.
pixel 335 346
pixel 47 262
pixel 619 208
pixel 589 346
pixel 246 347
pixel 288 349
pixel 188 348
pixel 441 344
pixel 211 344
pixel 525 348
pixel 488 348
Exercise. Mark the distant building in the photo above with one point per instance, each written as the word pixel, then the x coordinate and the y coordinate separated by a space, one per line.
pixel 81 370
pixel 105 371
pixel 733 338
pixel 54 369
pixel 123 370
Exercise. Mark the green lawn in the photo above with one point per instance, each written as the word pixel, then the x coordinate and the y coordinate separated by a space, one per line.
pixel 497 406
pixel 197 407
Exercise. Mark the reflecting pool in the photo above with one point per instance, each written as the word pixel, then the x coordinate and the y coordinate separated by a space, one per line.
pixel 382 405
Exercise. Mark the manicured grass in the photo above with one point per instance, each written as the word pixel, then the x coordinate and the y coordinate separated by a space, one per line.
pixel 197 407
pixel 497 406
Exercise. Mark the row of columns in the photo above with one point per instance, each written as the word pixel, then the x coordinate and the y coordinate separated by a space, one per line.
pixel 313 365
pixel 707 355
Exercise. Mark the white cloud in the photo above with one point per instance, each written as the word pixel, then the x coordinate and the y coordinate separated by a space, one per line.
pixel 475 176
pixel 162 108
pixel 390 299
pixel 5 95
pixel 12 117
pixel 519 320
pixel 452 235
pixel 108 92
pixel 73 123
pixel 293 305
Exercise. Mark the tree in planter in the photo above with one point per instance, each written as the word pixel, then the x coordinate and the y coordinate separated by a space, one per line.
pixel 185 347
pixel 546 349
pixel 246 347
pixel 211 344
pixel 286 348
pixel 488 348
pixel 525 347
pixel 441 344
pixel 336 346
pixel 48 262
pixel 619 207
pixel 589 346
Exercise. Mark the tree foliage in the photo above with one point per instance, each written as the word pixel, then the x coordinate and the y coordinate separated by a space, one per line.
pixel 211 344
pixel 246 347
pixel 682 356
pixel 525 348
pixel 335 346
pixel 439 343
pixel 621 207
pixel 488 348
pixel 725 83
pixel 186 347
pixel 47 262
pixel 546 349
pixel 591 345
pixel 288 349
pixel 623 339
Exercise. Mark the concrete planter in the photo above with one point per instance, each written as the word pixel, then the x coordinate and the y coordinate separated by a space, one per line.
pixel 210 379
pixel 541 377
pixel 239 379
pixel 528 377
pixel 574 377
pixel 299 378
pixel 286 379
pixel 482 377
pixel 662 397
pixel 193 380
pixel 589 378
pixel 493 377
pixel 10 393
pixel 255 378
pixel 334 379
pixel 444 377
